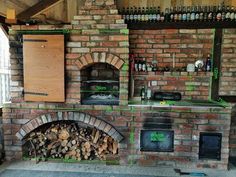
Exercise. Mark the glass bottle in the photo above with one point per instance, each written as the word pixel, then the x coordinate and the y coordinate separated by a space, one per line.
pixel 140 65
pixel 197 14
pixel 201 13
pixel 154 15
pixel 192 17
pixel 149 91
pixel 143 93
pixel 210 13
pixel 171 18
pixel 188 13
pixel 208 63
pixel 205 13
pixel 227 16
pixel 223 13
pixel 214 14
pixel 144 66
pixel 147 11
pixel 175 14
pixel 162 17
pixel 131 14
pixel 143 15
pixel 123 12
pixel 158 14
pixel 127 14
pixel 180 13
pixel 150 15
pixel 232 13
pixel 135 15
pixel 184 14
pixel 167 14
pixel 219 13
pixel 139 14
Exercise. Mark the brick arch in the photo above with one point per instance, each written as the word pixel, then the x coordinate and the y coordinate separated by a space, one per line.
pixel 73 116
pixel 96 57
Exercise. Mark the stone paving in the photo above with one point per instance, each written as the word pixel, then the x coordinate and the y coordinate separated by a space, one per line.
pixel 52 169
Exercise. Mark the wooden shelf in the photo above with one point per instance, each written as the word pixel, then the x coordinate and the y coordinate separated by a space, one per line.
pixel 176 73
pixel 181 25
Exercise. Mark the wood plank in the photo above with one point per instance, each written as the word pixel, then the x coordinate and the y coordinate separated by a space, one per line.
pixel 44 68
pixel 183 25
pixel 165 4
pixel 187 2
pixel 19 3
pixel 37 8
pixel 233 3
pixel 216 63
pixel 73 6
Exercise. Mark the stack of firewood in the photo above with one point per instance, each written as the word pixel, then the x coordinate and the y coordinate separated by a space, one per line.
pixel 68 141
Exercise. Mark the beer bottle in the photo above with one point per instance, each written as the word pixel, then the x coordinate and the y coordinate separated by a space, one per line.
pixel 201 13
pixel 188 13
pixel 197 15
pixel 171 18
pixel 158 14
pixel 232 13
pixel 192 17
pixel 227 16
pixel 135 15
pixel 175 14
pixel 214 14
pixel 210 13
pixel 139 14
pixel 127 14
pixel 223 13
pixel 184 14
pixel 219 13
pixel 147 11
pixel 154 15
pixel 180 13
pixel 167 14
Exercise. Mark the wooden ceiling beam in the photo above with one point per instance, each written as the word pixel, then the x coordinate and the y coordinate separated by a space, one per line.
pixel 37 8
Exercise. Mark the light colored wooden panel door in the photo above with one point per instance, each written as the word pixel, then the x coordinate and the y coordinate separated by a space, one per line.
pixel 44 68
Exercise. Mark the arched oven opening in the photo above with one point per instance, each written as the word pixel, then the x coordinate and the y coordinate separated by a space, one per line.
pixel 100 85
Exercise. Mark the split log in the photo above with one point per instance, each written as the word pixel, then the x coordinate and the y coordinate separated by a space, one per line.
pixel 70 142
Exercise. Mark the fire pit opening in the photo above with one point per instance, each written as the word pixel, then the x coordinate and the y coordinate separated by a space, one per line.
pixel 157 140
pixel 100 85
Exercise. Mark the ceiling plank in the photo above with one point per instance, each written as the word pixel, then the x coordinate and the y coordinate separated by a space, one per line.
pixel 19 4
pixel 37 8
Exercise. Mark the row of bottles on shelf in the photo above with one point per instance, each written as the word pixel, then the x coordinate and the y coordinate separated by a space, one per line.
pixel 180 13
pixel 141 65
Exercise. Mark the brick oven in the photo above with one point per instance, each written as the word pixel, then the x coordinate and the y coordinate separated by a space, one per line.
pixel 96 66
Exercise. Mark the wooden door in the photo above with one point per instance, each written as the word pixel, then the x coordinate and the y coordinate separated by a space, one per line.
pixel 44 68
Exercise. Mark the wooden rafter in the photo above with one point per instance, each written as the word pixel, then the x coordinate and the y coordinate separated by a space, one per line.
pixel 37 8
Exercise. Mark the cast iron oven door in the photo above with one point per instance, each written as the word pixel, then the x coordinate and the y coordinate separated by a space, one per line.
pixel 157 140
pixel 210 146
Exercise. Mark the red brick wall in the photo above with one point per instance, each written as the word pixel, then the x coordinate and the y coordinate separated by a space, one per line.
pixel 187 124
pixel 228 63
pixel 188 46
pixel 228 78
